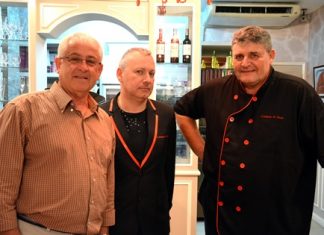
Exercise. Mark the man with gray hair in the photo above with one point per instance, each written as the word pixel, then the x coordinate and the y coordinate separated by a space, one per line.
pixel 56 152
pixel 264 136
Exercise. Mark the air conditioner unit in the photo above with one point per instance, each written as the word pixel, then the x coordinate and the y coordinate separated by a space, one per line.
pixel 273 15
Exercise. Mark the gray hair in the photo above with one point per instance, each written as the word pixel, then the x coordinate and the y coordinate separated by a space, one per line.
pixel 78 37
pixel 142 51
pixel 253 34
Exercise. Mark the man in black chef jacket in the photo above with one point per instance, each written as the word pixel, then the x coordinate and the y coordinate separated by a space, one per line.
pixel 264 136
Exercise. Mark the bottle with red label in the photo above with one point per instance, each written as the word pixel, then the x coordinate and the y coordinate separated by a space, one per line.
pixel 174 53
pixel 186 54
pixel 160 48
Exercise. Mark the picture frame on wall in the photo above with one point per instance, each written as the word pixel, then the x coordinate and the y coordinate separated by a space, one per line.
pixel 319 80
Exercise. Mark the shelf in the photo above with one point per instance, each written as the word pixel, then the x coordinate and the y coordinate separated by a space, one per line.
pixel 3 40
pixel 52 75
pixel 172 65
pixel 210 74
pixel 221 48
pixel 216 44
pixel 9 67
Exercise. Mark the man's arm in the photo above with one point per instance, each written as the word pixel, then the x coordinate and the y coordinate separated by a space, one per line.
pixel 12 141
pixel 191 132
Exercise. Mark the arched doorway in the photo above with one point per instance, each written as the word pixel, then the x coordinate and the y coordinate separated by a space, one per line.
pixel 115 39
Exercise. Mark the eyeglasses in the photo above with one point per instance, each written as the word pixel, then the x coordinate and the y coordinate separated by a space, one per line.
pixel 77 60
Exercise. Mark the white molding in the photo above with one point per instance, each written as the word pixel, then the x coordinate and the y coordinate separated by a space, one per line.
pixel 317 190
pixel 188 183
pixel 187 173
pixel 302 66
pixel 55 17
pixel 321 188
pixel 318 219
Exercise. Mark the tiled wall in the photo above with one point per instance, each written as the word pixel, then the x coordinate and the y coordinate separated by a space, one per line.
pixel 300 42
pixel 316 40
pixel 291 43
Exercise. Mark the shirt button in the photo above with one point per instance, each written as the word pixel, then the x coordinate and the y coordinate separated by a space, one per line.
pixel 94 180
pixel 246 142
pixel 235 97
pixel 250 121
pixel 231 119
pixel 238 208
pixel 242 165
pixel 240 188
pixel 223 162
pixel 220 203
pixel 226 140
pixel 221 183
pixel 254 98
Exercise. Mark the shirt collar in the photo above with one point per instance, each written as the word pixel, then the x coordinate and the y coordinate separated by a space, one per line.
pixel 267 83
pixel 63 100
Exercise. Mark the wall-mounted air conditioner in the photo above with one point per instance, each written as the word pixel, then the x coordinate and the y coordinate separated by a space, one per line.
pixel 274 15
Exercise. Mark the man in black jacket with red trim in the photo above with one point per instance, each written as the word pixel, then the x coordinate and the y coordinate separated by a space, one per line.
pixel 145 150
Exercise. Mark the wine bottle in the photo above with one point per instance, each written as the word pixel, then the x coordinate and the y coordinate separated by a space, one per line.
pixel 174 54
pixel 186 55
pixel 160 48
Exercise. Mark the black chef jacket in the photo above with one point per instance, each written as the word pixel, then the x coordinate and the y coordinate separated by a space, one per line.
pixel 260 153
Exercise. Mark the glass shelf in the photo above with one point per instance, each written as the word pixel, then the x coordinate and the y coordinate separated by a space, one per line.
pixel 6 40
pixel 9 67
pixel 173 80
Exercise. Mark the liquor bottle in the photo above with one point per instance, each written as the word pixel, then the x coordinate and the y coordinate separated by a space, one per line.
pixel 186 54
pixel 160 48
pixel 229 61
pixel 203 64
pixel 174 54
pixel 214 61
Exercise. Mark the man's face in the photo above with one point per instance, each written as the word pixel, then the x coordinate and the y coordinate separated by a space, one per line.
pixel 79 68
pixel 137 78
pixel 251 64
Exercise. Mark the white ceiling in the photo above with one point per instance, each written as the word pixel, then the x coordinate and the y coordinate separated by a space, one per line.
pixel 310 5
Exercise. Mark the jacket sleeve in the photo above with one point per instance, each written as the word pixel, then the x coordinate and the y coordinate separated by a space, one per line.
pixel 12 141
pixel 170 162
pixel 311 125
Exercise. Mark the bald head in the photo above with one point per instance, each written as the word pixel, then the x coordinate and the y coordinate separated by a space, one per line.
pixel 129 54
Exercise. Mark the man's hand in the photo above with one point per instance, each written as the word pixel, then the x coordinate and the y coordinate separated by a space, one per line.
pixel 104 230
